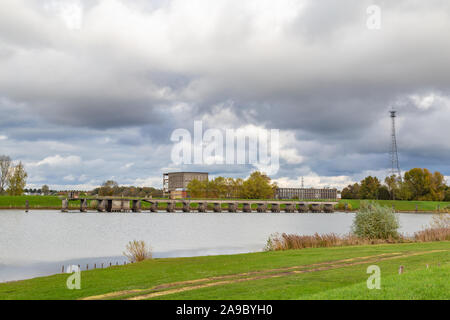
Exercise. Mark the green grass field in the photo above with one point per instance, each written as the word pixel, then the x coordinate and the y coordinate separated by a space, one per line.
pixel 54 202
pixel 428 206
pixel 319 273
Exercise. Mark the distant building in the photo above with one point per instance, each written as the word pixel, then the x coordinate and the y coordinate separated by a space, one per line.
pixel 306 193
pixel 175 183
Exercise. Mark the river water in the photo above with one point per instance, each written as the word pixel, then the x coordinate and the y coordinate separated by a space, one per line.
pixel 38 243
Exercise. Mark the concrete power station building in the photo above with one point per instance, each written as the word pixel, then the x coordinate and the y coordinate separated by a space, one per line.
pixel 175 183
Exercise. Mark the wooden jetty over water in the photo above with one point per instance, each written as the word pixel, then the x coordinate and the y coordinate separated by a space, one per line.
pixel 112 204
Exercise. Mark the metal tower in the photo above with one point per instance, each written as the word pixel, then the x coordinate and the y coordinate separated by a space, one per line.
pixel 395 168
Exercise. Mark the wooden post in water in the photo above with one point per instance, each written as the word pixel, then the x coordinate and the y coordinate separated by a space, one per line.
pixel 27 206
pixel 62 269
pixel 87 267
pixel 416 207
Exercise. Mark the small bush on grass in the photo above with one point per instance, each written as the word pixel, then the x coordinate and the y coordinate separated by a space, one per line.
pixel 137 251
pixel 373 221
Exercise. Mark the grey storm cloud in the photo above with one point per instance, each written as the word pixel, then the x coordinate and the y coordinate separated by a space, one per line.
pixel 123 75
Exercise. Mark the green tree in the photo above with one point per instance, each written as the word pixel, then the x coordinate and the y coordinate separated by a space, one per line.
pixel 369 188
pixel 419 183
pixel 425 185
pixel 257 186
pixel 217 188
pixel 383 193
pixel 109 188
pixel 447 194
pixel 438 186
pixel 403 192
pixel 351 191
pixel 17 180
pixel 196 188
pixel 393 184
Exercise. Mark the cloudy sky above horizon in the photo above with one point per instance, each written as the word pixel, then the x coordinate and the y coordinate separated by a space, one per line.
pixel 92 90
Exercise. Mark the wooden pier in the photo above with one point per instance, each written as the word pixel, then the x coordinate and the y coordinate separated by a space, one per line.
pixel 135 205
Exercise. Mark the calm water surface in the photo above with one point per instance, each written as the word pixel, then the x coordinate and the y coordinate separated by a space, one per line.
pixel 40 242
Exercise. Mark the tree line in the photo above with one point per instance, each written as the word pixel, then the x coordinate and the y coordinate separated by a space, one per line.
pixel 417 184
pixel 257 186
pixel 13 178
pixel 112 188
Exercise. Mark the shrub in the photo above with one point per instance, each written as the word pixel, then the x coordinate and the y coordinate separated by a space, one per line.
pixel 341 206
pixel 374 221
pixel 137 251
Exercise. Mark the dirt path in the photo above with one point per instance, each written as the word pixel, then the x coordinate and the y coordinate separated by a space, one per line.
pixel 177 287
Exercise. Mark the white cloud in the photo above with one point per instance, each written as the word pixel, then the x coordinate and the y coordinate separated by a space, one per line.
pixel 128 165
pixel 149 181
pixel 69 178
pixel 70 12
pixel 58 161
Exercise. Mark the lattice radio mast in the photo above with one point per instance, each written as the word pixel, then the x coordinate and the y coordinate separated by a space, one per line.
pixel 395 167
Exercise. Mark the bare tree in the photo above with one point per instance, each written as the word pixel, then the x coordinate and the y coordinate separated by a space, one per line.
pixel 5 167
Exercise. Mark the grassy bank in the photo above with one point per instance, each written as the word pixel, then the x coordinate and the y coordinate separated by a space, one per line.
pixel 405 206
pixel 319 273
pixel 54 202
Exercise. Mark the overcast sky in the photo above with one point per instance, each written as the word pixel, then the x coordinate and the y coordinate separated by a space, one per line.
pixel 92 90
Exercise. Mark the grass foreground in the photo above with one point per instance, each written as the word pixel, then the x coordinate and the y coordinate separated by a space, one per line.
pixel 316 273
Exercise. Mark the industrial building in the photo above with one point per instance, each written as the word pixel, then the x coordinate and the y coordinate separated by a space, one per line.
pixel 175 183
pixel 306 193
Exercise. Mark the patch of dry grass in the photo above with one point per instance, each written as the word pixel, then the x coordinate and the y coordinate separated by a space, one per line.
pixel 439 230
pixel 293 241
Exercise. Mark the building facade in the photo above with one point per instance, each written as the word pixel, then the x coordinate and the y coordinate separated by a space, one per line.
pixel 306 193
pixel 178 181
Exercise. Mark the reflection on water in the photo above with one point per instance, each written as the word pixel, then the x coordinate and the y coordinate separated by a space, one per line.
pixel 40 242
